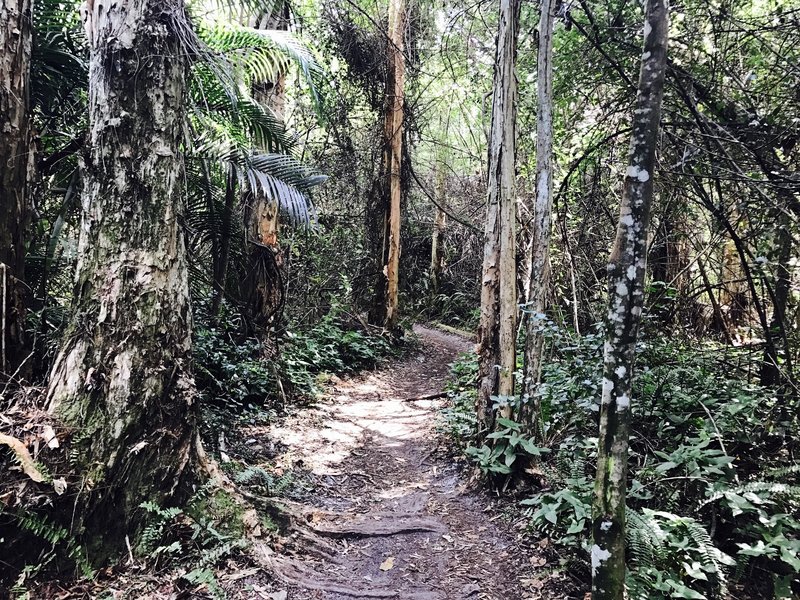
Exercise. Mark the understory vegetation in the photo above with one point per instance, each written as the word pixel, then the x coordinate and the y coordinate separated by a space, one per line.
pixel 714 485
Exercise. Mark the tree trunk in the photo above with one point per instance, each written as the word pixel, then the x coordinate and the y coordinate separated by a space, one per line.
pixel 16 171
pixel 122 381
pixel 540 244
pixel 221 244
pixel 385 303
pixel 497 330
pixel 626 269
pixel 776 368
pixel 439 225
pixel 266 276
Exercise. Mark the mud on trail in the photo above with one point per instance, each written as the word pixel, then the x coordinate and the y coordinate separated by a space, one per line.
pixel 399 518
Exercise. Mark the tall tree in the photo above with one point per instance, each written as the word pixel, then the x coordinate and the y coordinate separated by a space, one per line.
pixel 122 378
pixel 16 169
pixel 385 304
pixel 626 272
pixel 497 329
pixel 543 207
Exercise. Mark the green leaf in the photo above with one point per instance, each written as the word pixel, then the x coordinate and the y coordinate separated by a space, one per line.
pixel 666 466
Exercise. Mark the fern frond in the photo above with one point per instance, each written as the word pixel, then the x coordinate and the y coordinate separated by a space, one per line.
pixel 757 487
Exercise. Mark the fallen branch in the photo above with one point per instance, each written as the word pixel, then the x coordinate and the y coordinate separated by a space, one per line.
pixel 426 397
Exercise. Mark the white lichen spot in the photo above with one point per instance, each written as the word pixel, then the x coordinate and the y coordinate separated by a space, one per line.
pixel 623 402
pixel 599 556
pixel 605 525
pixel 607 387
pixel 632 272
pixel 622 289
pixel 646 55
pixel 647 29
pixel 620 371
pixel 627 220
pixel 638 173
pixel 636 311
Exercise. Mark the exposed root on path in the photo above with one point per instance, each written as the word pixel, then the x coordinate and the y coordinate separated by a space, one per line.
pixel 370 527
pixel 295 573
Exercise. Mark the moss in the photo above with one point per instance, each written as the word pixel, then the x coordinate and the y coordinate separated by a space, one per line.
pixel 222 509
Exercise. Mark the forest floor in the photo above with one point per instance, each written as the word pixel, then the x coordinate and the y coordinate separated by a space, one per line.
pixel 405 520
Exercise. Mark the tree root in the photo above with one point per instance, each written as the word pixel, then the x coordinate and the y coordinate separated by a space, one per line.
pixel 392 525
pixel 295 573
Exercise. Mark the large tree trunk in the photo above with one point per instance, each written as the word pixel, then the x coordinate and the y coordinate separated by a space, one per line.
pixel 122 379
pixel 497 329
pixel 385 304
pixel 16 168
pixel 540 244
pixel 626 270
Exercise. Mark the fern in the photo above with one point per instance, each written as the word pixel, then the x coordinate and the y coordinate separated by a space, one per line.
pixel 716 562
pixel 783 472
pixel 153 533
pixel 55 534
pixel 791 492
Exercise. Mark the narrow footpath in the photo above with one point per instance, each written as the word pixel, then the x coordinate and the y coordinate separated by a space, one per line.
pixel 407 524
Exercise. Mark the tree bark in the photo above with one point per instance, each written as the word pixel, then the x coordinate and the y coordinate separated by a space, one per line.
pixel 122 381
pixel 16 172
pixel 264 282
pixel 626 269
pixel 497 329
pixel 439 225
pixel 386 299
pixel 543 208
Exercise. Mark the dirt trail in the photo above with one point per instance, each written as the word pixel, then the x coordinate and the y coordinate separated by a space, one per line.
pixel 415 531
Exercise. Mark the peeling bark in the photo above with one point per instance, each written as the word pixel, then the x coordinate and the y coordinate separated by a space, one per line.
pixel 543 208
pixel 122 380
pixel 497 329
pixel 16 172
pixel 385 304
pixel 626 271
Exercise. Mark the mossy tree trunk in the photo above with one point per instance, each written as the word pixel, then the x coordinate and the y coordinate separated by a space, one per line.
pixel 16 170
pixel 122 379
pixel 497 329
pixel 626 271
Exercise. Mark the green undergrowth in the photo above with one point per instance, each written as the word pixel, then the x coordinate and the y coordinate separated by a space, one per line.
pixel 714 489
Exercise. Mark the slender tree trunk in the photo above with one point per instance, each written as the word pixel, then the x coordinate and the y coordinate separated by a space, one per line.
pixel 221 244
pixel 774 371
pixel 497 330
pixel 385 302
pixel 626 269
pixel 264 283
pixel 16 171
pixel 439 225
pixel 540 245
pixel 122 380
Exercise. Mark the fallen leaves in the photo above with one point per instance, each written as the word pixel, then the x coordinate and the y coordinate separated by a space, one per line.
pixel 388 564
